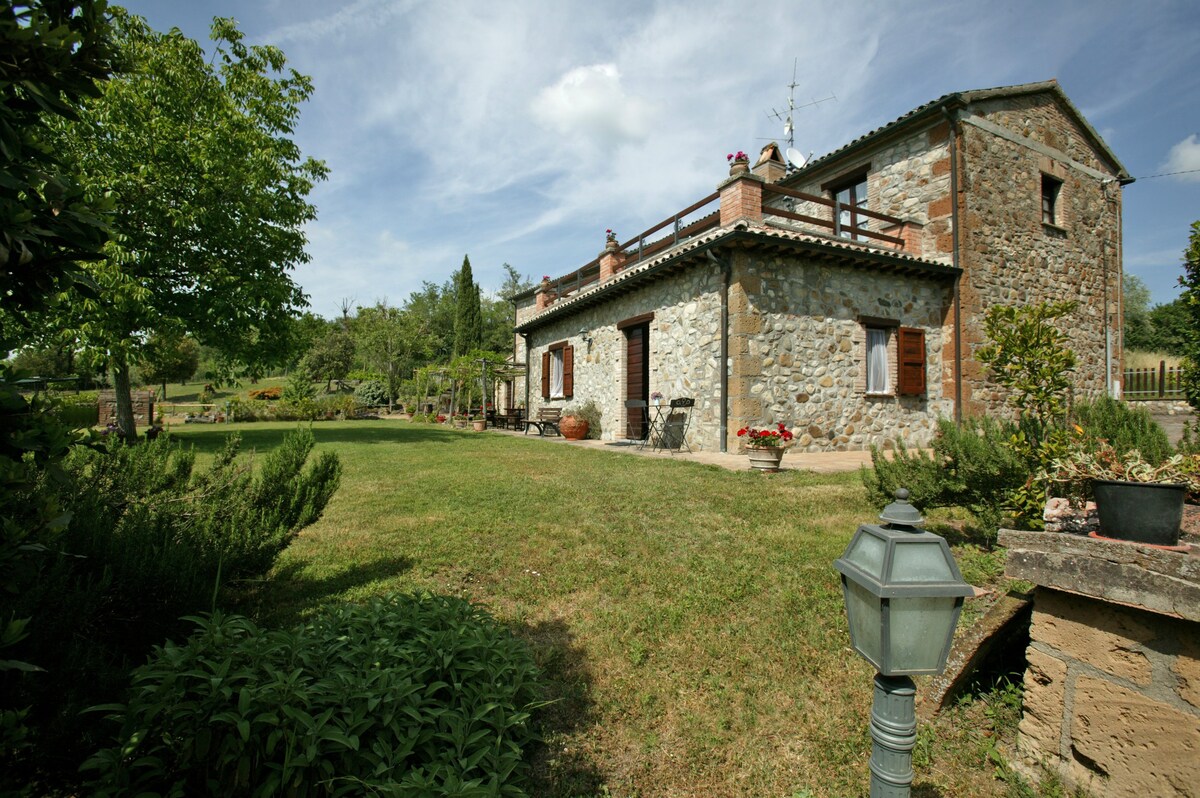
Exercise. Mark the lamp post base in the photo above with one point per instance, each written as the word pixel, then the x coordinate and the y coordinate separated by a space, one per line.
pixel 893 735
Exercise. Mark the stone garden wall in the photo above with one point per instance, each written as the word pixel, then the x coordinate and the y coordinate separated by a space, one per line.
pixel 1112 687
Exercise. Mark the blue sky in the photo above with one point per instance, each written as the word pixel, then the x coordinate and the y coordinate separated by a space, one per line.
pixel 517 132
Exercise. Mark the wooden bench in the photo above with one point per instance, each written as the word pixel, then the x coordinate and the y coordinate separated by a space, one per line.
pixel 547 419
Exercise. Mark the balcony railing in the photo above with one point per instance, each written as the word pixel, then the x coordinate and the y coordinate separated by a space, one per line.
pixel 834 223
pixel 643 246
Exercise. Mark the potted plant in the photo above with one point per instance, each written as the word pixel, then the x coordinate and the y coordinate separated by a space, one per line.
pixel 765 447
pixel 580 422
pixel 478 423
pixel 739 163
pixel 1135 500
pixel 656 399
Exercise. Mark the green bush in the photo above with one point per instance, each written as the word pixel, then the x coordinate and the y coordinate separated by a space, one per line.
pixel 405 696
pixel 299 389
pixel 1124 427
pixel 79 411
pixel 372 394
pixel 974 465
pixel 149 540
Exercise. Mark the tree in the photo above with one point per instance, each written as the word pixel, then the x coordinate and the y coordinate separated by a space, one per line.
pixel 432 312
pixel 1028 355
pixel 51 56
pixel 468 316
pixel 1139 332
pixel 210 198
pixel 1169 327
pixel 169 357
pixel 330 357
pixel 498 321
pixel 1191 299
pixel 385 338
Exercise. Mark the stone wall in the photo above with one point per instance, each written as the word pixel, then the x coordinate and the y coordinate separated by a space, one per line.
pixel 1009 256
pixel 143 407
pixel 684 350
pixel 909 178
pixel 798 352
pixel 1112 697
pixel 1112 687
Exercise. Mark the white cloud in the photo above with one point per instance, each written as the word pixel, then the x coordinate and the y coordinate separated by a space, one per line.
pixel 589 104
pixel 1185 157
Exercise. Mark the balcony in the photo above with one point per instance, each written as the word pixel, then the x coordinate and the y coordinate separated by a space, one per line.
pixel 749 200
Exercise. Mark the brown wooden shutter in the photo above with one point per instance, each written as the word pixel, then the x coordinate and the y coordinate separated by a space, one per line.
pixel 568 371
pixel 911 346
pixel 546 374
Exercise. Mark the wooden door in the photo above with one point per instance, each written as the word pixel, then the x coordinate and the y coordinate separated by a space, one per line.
pixel 637 377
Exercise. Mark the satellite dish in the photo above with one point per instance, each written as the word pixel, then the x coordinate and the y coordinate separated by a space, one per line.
pixel 787 128
pixel 795 158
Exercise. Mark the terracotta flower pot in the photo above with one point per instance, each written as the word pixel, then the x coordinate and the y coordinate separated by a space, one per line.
pixel 480 425
pixel 765 458
pixel 572 428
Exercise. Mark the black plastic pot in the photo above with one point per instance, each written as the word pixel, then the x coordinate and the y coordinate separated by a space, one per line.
pixel 1145 512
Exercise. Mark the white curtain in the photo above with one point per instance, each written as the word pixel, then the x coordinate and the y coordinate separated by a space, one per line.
pixel 877 361
pixel 556 372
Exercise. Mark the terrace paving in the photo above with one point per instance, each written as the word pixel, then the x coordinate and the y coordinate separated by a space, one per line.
pixel 820 462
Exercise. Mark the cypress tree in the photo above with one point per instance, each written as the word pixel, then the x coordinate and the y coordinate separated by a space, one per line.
pixel 468 316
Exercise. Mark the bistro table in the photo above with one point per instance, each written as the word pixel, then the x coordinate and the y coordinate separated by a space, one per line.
pixel 657 417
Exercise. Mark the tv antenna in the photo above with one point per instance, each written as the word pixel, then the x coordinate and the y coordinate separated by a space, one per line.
pixel 795 159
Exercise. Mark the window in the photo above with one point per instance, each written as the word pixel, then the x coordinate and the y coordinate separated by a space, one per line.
pixel 1050 190
pixel 558 366
pixel 851 196
pixel 888 344
pixel 877 360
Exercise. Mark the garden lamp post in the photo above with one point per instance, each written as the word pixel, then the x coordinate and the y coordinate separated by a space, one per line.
pixel 903 594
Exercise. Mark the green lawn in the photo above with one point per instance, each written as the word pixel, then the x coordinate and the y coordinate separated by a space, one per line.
pixel 688 618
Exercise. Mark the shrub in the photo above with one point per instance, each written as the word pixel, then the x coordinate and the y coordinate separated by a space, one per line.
pixel 150 540
pixel 298 389
pixel 405 696
pixel 266 394
pixel 78 411
pixel 372 394
pixel 1125 428
pixel 974 465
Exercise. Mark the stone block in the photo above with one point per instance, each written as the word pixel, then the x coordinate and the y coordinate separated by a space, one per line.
pixel 1139 746
pixel 1187 670
pixel 1103 635
pixel 1042 707
pixel 940 207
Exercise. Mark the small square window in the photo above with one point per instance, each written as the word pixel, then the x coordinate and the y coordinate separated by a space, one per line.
pixel 1050 190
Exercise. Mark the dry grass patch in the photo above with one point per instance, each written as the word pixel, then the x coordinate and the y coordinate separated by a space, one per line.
pixel 688 619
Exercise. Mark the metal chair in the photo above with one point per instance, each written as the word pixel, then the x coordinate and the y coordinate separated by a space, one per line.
pixel 635 419
pixel 674 433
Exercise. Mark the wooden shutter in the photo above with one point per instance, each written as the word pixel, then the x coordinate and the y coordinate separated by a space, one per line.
pixel 546 374
pixel 568 371
pixel 911 346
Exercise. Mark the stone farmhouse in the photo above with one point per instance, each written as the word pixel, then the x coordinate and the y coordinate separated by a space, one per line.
pixel 846 297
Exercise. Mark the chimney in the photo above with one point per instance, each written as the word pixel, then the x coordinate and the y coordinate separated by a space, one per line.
pixel 770 166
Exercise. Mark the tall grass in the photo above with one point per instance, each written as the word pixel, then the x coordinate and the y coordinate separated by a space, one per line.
pixel 1135 359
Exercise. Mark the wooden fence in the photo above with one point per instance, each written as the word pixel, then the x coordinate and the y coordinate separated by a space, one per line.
pixel 1161 382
